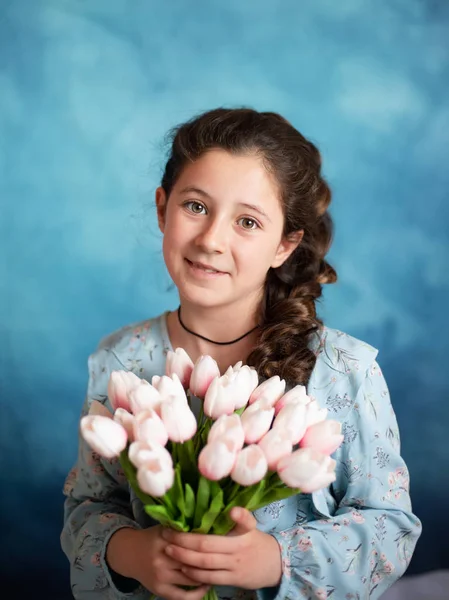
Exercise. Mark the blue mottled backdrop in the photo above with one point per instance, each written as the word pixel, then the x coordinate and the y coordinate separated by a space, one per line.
pixel 87 92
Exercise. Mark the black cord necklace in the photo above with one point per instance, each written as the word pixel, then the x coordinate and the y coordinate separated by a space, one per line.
pixel 212 341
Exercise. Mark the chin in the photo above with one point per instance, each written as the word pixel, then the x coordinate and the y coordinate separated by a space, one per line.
pixel 203 298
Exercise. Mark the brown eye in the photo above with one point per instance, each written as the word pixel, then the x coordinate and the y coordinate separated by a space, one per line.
pixel 248 223
pixel 195 207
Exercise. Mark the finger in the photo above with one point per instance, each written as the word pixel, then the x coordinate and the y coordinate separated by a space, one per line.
pixel 244 520
pixel 201 560
pixel 180 578
pixel 171 592
pixel 205 576
pixel 210 543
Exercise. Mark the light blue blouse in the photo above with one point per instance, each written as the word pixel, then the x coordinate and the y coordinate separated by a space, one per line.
pixel 350 541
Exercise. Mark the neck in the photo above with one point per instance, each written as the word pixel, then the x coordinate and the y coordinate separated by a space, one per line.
pixel 217 324
pixel 214 342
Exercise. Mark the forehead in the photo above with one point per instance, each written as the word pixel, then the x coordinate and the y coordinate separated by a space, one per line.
pixel 231 177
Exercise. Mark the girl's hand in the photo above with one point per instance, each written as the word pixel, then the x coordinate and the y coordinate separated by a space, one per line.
pixel 245 558
pixel 140 554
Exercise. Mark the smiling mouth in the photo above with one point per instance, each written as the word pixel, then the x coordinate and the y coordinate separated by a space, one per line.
pixel 205 268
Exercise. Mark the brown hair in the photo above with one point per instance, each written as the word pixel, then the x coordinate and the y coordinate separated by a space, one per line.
pixel 287 316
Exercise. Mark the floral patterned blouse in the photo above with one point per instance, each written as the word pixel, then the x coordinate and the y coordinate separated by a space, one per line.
pixel 350 541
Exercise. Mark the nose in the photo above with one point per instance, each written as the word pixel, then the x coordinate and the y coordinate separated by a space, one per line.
pixel 213 237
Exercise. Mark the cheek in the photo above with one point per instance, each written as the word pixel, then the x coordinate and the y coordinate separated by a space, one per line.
pixel 256 259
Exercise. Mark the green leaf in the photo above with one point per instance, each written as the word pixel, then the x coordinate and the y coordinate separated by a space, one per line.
pixel 202 500
pixel 275 494
pixel 216 506
pixel 189 501
pixel 159 513
pixel 178 492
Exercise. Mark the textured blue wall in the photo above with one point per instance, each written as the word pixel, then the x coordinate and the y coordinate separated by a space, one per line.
pixel 87 91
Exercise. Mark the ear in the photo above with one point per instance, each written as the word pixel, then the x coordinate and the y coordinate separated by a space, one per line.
pixel 161 206
pixel 287 246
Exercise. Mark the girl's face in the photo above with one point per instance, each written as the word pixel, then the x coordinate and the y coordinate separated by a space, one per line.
pixel 222 230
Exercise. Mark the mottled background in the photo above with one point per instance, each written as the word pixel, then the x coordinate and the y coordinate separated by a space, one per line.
pixel 87 92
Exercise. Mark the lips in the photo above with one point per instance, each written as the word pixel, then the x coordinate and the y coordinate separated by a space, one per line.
pixel 204 267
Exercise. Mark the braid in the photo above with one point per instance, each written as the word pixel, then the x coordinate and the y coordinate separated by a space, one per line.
pixel 288 311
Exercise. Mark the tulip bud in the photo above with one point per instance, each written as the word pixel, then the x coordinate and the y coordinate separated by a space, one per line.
pixel 155 475
pixel 307 470
pixel 245 380
pixel 149 428
pixel 219 399
pixel 229 428
pixel 140 453
pixel 216 460
pixel 204 371
pixel 256 420
pixel 297 395
pixel 179 420
pixel 126 420
pixel 179 362
pixel 103 435
pixel 144 397
pixel 275 445
pixel 271 390
pixel 97 408
pixel 170 386
pixel 120 384
pixel 250 467
pixel 292 420
pixel 315 414
pixel 324 437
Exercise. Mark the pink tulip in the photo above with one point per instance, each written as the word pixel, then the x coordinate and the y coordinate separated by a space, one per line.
pixel 271 390
pixel 97 408
pixel 315 414
pixel 149 428
pixel 244 380
pixel 119 385
pixel 178 419
pixel 256 420
pixel 140 453
pixel 103 435
pixel 144 397
pixel 219 399
pixel 292 420
pixel 170 386
pixel 204 371
pixel 250 467
pixel 324 437
pixel 216 460
pixel 126 420
pixel 296 395
pixel 229 428
pixel 179 362
pixel 155 475
pixel 307 470
pixel 275 445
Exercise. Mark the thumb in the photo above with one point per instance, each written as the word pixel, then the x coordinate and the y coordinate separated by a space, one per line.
pixel 244 520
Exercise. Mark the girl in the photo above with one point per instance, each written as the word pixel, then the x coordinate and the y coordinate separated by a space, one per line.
pixel 243 209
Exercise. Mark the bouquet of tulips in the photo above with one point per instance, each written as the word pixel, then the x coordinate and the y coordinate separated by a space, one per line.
pixel 250 444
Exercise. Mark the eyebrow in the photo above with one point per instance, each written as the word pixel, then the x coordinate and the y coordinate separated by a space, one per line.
pixel 200 192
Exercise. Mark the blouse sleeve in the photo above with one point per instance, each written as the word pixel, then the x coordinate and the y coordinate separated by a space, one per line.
pixel 368 543
pixel 97 504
